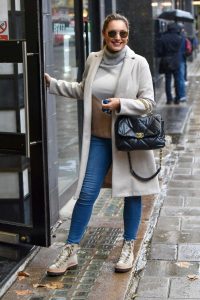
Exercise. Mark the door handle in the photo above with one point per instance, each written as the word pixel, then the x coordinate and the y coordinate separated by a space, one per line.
pixel 26 100
pixel 35 143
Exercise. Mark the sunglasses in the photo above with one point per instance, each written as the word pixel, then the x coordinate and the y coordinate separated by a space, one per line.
pixel 123 34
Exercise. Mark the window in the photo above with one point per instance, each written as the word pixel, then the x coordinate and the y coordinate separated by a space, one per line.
pixel 63 27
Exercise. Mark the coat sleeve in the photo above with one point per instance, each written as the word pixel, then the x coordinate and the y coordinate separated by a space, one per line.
pixel 69 89
pixel 144 101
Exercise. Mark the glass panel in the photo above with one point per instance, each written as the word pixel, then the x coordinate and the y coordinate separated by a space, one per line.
pixel 15 198
pixel 17 5
pixel 11 99
pixel 6 68
pixel 7 121
pixel 63 27
pixel 11 190
pixel 11 22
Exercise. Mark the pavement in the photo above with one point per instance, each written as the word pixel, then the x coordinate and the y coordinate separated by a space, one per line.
pixel 167 251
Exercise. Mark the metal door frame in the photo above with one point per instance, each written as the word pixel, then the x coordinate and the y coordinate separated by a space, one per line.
pixel 39 233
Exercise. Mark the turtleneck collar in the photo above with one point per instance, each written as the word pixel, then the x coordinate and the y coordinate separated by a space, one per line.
pixel 113 58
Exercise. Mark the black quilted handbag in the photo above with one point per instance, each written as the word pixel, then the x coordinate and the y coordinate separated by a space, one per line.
pixel 140 133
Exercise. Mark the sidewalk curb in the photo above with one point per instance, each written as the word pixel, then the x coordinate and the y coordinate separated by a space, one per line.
pixel 141 259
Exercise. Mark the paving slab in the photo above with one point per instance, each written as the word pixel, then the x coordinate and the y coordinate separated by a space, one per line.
pixel 192 223
pixel 163 252
pixel 180 211
pixel 153 287
pixel 139 298
pixel 192 201
pixel 189 252
pixel 175 237
pixel 184 288
pixel 170 269
pixel 173 201
pixel 170 223
pixel 175 118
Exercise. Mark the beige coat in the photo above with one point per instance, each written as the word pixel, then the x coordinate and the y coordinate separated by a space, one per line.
pixel 135 82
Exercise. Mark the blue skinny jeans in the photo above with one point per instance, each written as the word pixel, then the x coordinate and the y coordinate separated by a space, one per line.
pixel 182 79
pixel 99 162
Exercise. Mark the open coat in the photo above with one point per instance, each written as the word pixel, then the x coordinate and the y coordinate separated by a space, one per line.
pixel 134 88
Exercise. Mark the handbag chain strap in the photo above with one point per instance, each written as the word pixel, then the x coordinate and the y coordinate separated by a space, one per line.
pixel 147 106
pixel 145 178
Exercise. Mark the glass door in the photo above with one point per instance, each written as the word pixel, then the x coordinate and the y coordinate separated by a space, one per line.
pixel 24 209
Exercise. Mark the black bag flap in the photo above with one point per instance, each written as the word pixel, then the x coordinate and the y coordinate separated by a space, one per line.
pixel 138 126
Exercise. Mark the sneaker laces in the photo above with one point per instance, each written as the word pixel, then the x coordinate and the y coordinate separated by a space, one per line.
pixel 126 251
pixel 64 255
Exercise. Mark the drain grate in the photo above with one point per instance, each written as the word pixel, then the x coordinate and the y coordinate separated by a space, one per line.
pixel 108 206
pixel 100 237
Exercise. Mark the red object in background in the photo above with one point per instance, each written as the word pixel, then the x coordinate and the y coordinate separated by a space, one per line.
pixel 58 39
pixel 3 29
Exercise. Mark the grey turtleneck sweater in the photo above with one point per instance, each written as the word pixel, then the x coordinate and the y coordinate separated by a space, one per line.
pixel 104 86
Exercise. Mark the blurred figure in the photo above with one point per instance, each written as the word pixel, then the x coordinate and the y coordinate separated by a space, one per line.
pixel 169 49
pixel 185 51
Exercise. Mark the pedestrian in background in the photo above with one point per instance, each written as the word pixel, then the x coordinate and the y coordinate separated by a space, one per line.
pixel 169 49
pixel 185 52
pixel 119 75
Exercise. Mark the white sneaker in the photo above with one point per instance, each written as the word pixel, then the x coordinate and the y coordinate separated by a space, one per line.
pixel 125 262
pixel 66 260
pixel 183 99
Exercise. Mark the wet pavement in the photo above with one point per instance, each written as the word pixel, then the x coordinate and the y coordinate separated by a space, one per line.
pixel 11 258
pixel 172 257
pixel 167 252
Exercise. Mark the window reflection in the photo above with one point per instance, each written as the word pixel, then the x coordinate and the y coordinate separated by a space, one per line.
pixel 63 27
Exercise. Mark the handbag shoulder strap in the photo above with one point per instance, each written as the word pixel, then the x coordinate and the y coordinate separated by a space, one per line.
pixel 144 178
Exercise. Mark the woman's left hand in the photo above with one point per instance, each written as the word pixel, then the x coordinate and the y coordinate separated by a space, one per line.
pixel 114 104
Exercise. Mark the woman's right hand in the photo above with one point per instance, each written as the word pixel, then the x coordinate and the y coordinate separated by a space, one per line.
pixel 47 78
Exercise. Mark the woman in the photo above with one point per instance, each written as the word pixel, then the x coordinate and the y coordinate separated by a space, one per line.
pixel 118 74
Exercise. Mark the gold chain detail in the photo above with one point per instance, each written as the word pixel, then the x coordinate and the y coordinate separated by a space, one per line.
pixel 146 105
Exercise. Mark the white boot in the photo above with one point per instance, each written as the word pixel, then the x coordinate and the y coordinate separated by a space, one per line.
pixel 66 260
pixel 125 262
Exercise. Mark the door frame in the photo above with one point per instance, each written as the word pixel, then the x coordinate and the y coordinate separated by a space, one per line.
pixel 39 232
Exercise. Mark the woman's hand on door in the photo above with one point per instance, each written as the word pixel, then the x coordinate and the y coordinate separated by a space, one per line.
pixel 47 78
